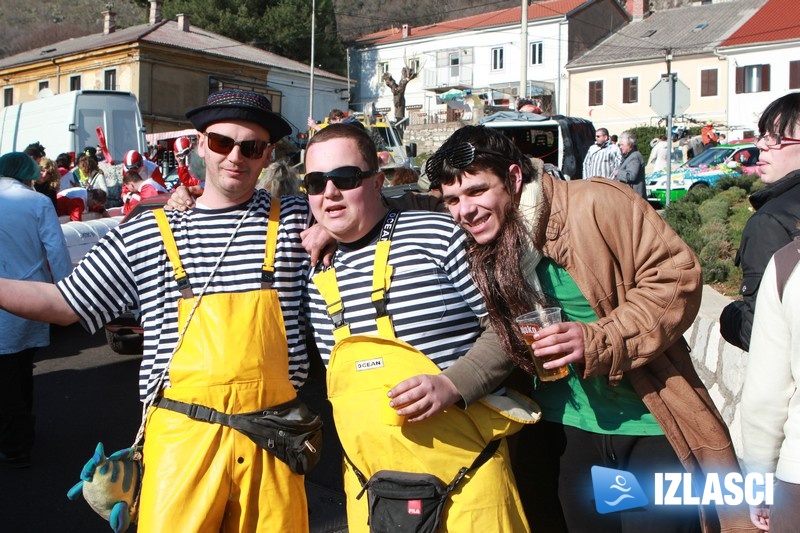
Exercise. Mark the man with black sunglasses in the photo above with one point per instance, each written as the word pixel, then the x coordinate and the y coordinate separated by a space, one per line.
pixel 400 277
pixel 629 287
pixel 220 290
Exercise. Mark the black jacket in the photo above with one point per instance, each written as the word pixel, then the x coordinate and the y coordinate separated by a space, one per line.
pixel 772 226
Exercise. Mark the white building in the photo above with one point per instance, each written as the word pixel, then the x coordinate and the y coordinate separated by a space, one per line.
pixel 481 56
pixel 763 62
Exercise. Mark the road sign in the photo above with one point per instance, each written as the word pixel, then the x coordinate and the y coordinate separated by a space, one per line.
pixel 659 97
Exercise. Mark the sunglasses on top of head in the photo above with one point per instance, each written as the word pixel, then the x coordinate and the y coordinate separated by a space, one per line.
pixel 223 145
pixel 459 156
pixel 343 178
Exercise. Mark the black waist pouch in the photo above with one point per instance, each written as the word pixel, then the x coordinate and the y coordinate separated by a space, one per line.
pixel 410 502
pixel 290 431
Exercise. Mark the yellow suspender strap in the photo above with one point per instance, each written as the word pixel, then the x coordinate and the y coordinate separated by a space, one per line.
pixel 329 289
pixel 172 253
pixel 381 278
pixel 268 269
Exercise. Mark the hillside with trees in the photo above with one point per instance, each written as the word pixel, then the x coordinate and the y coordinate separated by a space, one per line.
pixel 280 26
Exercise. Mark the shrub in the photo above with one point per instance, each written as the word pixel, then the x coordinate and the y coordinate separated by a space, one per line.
pixel 711 221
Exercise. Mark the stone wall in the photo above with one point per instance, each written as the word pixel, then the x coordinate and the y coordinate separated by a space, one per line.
pixel 720 365
pixel 429 137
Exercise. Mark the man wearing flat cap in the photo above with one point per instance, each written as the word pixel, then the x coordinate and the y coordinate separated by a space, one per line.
pixel 219 290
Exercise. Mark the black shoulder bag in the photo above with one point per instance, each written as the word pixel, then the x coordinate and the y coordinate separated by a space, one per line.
pixel 410 502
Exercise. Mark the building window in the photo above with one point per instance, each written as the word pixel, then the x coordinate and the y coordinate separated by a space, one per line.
pixel 44 85
pixel 794 74
pixel 214 85
pixel 74 83
pixel 383 68
pixel 8 96
pixel 752 79
pixel 413 65
pixel 595 93
pixel 630 91
pixel 110 80
pixel 536 53
pixel 455 64
pixel 708 82
pixel 497 59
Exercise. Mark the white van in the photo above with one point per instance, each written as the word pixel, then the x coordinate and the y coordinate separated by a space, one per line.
pixel 68 122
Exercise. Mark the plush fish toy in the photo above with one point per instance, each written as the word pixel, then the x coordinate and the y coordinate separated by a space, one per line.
pixel 110 485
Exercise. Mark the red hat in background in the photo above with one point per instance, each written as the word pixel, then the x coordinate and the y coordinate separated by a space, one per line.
pixel 132 160
pixel 183 145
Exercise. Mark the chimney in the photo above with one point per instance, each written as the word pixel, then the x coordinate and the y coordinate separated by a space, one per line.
pixel 155 11
pixel 406 31
pixel 183 22
pixel 109 22
pixel 638 8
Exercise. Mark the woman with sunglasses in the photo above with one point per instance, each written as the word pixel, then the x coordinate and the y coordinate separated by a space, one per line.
pixel 629 288
pixel 777 206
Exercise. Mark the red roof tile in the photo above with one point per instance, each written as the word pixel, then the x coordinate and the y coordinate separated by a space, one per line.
pixel 539 10
pixel 777 20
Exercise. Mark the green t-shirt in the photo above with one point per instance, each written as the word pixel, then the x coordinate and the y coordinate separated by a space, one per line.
pixel 589 404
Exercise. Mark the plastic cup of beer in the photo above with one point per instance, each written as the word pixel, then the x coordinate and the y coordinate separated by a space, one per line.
pixel 529 324
pixel 389 414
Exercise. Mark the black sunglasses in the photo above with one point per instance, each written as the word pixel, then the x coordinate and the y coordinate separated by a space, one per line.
pixel 224 145
pixel 343 178
pixel 459 156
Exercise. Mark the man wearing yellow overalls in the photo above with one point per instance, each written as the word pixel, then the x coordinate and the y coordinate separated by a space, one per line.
pixel 241 347
pixel 396 316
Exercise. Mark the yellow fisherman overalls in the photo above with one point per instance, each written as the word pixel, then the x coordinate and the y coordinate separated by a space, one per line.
pixel 359 368
pixel 233 358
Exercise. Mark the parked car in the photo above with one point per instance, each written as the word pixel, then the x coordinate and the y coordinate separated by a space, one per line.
pixel 704 170
pixel 124 334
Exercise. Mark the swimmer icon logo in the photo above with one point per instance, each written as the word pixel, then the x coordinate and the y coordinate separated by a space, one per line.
pixel 616 490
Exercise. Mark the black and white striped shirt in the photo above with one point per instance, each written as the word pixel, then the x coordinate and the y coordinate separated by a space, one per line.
pixel 432 300
pixel 129 269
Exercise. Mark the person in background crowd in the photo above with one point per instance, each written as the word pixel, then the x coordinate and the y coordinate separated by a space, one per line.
pixel 36 151
pixel 203 476
pixel 138 190
pixel 603 157
pixel 723 138
pixel 64 164
pixel 183 149
pixel 774 223
pixel 403 176
pixel 334 117
pixel 76 201
pixel 660 151
pixel 631 170
pixel 770 402
pixel 614 139
pixel 629 287
pixel 32 248
pixel 710 138
pixel 133 161
pixel 49 180
pixel 87 174
pixel 279 179
pixel 525 105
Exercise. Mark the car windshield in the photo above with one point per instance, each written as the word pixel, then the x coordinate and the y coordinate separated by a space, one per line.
pixel 710 158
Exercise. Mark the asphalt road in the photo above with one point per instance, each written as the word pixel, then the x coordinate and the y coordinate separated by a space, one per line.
pixel 85 394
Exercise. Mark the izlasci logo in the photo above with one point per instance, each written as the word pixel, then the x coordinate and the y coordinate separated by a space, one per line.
pixel 616 490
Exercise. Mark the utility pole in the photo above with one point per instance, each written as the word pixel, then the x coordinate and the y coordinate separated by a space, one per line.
pixel 523 52
pixel 311 79
pixel 671 81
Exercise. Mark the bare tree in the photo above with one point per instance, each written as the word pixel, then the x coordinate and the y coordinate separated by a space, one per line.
pixel 399 90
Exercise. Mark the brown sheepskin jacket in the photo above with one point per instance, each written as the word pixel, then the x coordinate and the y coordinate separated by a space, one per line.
pixel 645 285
